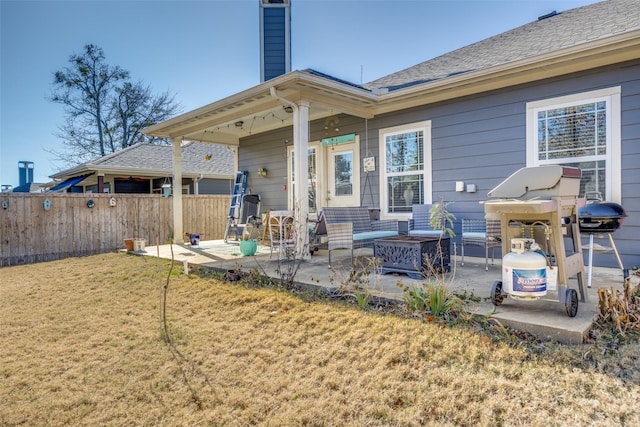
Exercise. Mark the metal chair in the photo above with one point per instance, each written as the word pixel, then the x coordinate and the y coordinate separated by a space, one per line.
pixel 281 233
pixel 249 221
pixel 484 233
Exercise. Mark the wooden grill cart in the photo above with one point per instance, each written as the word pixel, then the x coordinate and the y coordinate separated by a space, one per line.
pixel 537 208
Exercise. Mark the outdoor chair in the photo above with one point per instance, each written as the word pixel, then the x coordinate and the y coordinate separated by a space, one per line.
pixel 249 222
pixel 484 233
pixel 340 237
pixel 281 233
pixel 419 224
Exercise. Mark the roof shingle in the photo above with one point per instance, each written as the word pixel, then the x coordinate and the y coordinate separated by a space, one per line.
pixel 566 29
pixel 149 157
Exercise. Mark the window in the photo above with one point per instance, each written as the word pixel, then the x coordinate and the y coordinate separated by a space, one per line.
pixel 581 130
pixel 405 153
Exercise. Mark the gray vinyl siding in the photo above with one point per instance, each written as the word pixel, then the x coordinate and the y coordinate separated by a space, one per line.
pixel 267 150
pixel 480 140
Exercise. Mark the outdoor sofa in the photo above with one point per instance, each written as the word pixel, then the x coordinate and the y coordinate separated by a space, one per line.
pixel 352 228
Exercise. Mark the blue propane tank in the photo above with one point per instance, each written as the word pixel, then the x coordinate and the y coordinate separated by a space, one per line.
pixel 524 270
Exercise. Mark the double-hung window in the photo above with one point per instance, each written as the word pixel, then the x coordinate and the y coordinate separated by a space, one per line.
pixel 405 179
pixel 581 130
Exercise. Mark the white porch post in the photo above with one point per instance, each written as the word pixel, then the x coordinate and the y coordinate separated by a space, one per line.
pixel 301 162
pixel 178 232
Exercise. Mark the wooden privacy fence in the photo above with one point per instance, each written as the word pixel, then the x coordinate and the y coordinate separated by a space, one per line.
pixel 29 232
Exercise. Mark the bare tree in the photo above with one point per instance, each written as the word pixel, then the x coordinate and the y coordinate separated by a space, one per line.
pixel 104 110
pixel 134 107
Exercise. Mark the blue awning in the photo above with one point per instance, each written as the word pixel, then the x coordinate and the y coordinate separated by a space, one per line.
pixel 62 186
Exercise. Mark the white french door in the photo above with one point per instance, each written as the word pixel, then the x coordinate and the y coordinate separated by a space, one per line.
pixel 314 183
pixel 333 176
pixel 343 175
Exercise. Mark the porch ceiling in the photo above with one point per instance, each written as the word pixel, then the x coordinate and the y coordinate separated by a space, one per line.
pixel 255 110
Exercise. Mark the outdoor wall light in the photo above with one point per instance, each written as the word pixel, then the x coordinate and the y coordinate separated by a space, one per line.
pixel 262 172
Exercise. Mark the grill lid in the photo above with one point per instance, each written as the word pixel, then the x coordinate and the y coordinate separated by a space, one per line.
pixel 542 182
pixel 600 217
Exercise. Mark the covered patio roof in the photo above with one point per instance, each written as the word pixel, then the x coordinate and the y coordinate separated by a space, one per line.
pixel 256 110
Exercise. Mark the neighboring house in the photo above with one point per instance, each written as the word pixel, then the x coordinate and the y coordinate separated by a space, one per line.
pixel 145 168
pixel 29 187
pixel 563 89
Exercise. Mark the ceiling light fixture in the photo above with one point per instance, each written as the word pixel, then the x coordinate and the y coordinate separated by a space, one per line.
pixel 287 109
pixel 239 123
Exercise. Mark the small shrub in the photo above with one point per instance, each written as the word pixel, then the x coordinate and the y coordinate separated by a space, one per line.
pixel 433 298
pixel 359 281
pixel 362 298
pixel 440 218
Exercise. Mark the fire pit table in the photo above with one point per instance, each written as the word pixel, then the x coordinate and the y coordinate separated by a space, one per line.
pixel 412 255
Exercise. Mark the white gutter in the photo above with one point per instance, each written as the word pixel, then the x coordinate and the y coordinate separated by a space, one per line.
pixel 274 93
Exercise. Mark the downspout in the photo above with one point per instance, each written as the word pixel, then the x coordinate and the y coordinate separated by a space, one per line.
pixel 301 161
pixel 274 93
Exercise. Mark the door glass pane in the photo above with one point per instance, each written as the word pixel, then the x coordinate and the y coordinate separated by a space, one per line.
pixel 313 180
pixel 343 174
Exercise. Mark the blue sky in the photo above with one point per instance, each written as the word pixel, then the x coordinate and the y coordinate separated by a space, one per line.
pixel 205 50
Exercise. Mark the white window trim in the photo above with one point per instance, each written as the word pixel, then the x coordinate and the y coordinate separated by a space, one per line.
pixel 425 127
pixel 614 148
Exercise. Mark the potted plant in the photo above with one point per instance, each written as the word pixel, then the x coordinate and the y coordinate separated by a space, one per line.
pixel 248 246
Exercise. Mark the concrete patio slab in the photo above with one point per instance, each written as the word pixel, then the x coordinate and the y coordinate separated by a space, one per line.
pixel 546 318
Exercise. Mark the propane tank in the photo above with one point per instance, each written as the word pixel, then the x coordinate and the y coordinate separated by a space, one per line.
pixel 524 270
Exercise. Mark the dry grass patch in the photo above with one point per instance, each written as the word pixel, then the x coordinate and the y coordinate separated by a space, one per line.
pixel 82 345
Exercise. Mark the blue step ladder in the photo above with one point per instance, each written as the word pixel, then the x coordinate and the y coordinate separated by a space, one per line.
pixel 239 188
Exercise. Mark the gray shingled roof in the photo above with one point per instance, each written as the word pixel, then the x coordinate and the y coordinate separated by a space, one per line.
pixel 565 29
pixel 154 158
